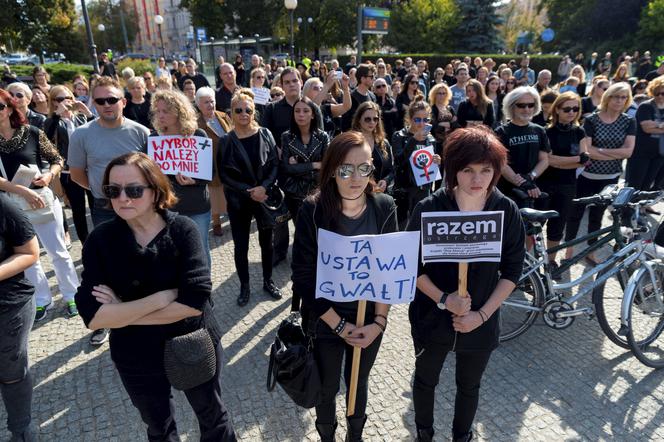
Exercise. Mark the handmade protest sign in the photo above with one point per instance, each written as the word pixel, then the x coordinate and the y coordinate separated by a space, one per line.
pixel 461 236
pixel 380 268
pixel 190 156
pixel 424 169
pixel 261 95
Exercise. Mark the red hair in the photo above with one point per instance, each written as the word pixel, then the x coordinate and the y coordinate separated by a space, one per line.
pixel 17 118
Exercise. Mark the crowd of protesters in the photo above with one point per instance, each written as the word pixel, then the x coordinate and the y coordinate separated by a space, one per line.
pixel 337 141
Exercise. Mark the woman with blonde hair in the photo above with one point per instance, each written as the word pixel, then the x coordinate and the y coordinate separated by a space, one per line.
pixel 247 163
pixel 442 113
pixel 612 135
pixel 578 72
pixel 477 108
pixel 173 114
pixel 138 105
pixel 599 86
pixel 621 74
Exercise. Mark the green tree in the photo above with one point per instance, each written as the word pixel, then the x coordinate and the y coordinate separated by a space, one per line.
pixel 424 26
pixel 213 15
pixel 651 26
pixel 478 28
pixel 521 16
pixel 107 12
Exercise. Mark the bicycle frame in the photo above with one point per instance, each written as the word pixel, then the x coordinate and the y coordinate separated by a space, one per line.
pixel 630 289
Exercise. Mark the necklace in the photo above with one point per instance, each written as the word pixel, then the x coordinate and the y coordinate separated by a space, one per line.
pixel 359 212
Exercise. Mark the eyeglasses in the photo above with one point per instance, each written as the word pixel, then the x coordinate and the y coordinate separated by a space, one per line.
pixel 147 78
pixel 421 120
pixel 525 105
pixel 260 77
pixel 568 109
pixel 276 95
pixel 414 82
pixel 317 88
pixel 109 100
pixel 441 93
pixel 61 99
pixel 133 191
pixel 239 110
pixel 510 82
pixel 346 171
pixel 370 119
pixel 17 94
pixel 3 106
pixel 380 86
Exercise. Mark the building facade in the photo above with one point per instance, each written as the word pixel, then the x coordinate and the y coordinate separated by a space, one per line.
pixel 174 31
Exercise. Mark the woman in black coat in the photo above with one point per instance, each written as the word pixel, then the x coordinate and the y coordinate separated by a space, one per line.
pixel 303 147
pixel 441 320
pixel 247 164
pixel 476 108
pixel 347 205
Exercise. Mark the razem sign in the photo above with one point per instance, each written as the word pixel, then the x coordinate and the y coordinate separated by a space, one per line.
pixel 461 236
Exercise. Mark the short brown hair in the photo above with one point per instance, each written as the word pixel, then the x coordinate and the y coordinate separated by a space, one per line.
pixel 164 197
pixel 105 81
pixel 475 145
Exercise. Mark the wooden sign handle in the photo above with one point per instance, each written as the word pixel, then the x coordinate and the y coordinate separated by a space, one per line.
pixel 463 279
pixel 355 368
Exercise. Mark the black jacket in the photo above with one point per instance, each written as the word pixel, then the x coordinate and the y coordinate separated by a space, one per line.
pixel 299 179
pixel 384 165
pixel 56 131
pixel 305 248
pixel 236 171
pixel 390 114
pixel 468 112
pixel 429 323
pixel 403 145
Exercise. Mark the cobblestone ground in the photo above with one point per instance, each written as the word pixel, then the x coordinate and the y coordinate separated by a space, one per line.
pixel 546 385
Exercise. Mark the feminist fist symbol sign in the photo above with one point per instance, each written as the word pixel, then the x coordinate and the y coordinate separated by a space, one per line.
pixel 423 160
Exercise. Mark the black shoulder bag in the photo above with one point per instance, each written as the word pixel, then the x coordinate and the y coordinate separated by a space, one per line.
pixel 292 364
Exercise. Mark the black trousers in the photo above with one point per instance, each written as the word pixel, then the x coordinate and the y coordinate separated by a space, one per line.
pixel 151 395
pixel 587 187
pixel 329 351
pixel 76 196
pixel 641 173
pixel 470 367
pixel 280 240
pixel 560 200
pixel 240 214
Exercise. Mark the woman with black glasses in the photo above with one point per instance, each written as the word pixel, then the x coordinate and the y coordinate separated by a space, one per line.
pixel 346 204
pixel 134 283
pixel 415 135
pixel 367 120
pixel 247 163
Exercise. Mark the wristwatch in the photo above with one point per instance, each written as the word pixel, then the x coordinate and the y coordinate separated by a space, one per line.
pixel 441 304
pixel 533 174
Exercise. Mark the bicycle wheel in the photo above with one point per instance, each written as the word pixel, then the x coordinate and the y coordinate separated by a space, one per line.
pixel 646 317
pixel 608 296
pixel 518 311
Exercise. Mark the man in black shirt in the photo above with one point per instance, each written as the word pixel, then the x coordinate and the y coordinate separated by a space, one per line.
pixel 351 64
pixel 228 87
pixel 106 67
pixel 365 75
pixel 650 76
pixel 198 79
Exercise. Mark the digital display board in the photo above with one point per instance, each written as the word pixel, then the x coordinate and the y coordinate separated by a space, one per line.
pixel 375 21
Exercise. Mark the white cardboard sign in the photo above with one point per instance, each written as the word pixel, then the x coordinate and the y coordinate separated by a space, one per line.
pixel 424 169
pixel 190 156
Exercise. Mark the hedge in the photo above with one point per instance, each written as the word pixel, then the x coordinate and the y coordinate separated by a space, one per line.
pixel 60 73
pixel 537 62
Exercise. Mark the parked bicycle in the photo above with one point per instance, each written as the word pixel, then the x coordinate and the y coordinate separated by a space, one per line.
pixel 538 290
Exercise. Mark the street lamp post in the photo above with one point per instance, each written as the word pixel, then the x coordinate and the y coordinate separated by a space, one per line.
pixel 226 47
pixel 300 21
pixel 212 60
pixel 257 37
pixel 91 41
pixel 159 20
pixel 291 5
pixel 101 28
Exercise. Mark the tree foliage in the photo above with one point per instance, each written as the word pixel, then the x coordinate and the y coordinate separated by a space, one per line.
pixel 424 26
pixel 478 27
pixel 651 26
pixel 521 16
pixel 107 12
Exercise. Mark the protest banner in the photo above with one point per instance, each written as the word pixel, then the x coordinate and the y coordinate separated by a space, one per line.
pixel 261 95
pixel 424 169
pixel 462 237
pixel 190 156
pixel 380 268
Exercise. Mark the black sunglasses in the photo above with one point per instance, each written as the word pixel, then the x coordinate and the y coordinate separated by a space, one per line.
pixel 109 100
pixel 247 111
pixel 525 105
pixel 61 99
pixel 370 119
pixel 133 191
pixel 276 95
pixel 380 86
pixel 17 94
pixel 414 82
pixel 568 109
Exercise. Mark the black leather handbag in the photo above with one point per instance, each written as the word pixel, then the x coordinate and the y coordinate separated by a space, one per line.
pixel 274 207
pixel 292 364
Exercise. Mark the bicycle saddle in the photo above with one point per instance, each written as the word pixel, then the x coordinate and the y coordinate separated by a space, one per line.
pixel 537 215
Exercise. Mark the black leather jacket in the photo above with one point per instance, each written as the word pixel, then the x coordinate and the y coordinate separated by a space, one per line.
pixel 235 170
pixel 56 131
pixel 299 179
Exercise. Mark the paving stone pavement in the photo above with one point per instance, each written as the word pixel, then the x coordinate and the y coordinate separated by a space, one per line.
pixel 546 385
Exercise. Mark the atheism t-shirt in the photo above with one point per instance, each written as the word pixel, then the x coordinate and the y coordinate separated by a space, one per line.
pixel 523 144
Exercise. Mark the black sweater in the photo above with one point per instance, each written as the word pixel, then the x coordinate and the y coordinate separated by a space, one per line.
pixel 305 249
pixel 428 322
pixel 174 259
